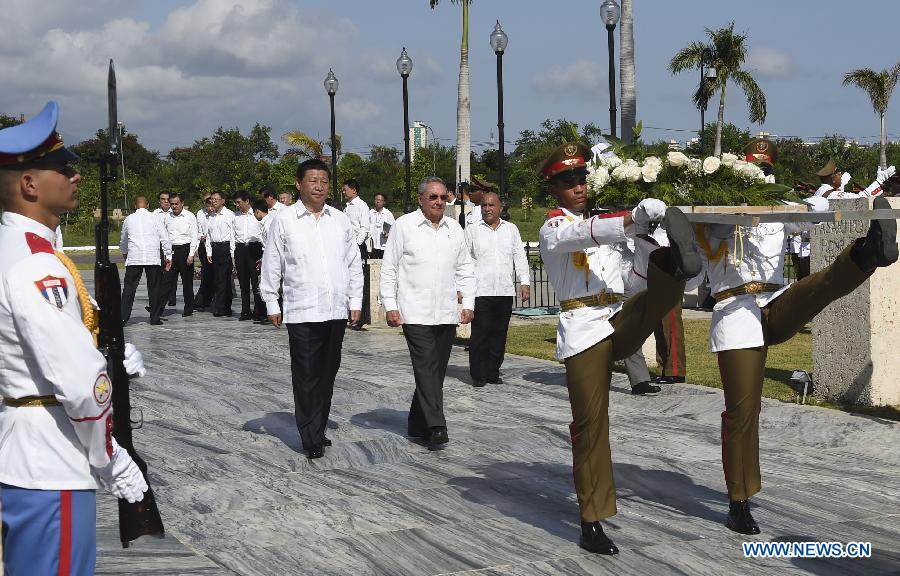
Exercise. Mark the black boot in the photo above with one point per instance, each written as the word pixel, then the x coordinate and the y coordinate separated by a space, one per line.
pixel 879 247
pixel 739 518
pixel 685 254
pixel 594 540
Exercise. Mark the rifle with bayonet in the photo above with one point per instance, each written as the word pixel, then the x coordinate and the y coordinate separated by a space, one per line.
pixel 139 518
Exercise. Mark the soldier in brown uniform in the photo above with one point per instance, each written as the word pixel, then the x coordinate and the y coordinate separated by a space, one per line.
pixel 596 324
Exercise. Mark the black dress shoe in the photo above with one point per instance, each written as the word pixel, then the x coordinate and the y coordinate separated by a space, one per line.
pixel 645 389
pixel 594 540
pixel 438 438
pixel 186 314
pixel 739 518
pixel 478 383
pixel 315 452
pixel 326 442
pixel 683 244
pixel 156 322
pixel 668 379
pixel 879 247
pixel 497 380
pixel 245 317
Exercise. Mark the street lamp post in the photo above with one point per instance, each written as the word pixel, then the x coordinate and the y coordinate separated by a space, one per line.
pixel 609 10
pixel 499 40
pixel 404 67
pixel 707 73
pixel 331 86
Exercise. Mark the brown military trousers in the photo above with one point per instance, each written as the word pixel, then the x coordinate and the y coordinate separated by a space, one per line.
pixel 588 375
pixel 742 370
pixel 669 335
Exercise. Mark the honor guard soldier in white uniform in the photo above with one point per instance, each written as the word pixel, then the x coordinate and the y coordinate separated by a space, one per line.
pixel 597 325
pixel 753 311
pixel 56 414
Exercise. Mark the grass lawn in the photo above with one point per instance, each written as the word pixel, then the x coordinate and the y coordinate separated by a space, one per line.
pixel 539 341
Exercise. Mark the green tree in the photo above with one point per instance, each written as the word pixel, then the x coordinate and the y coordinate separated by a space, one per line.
pixel 726 51
pixel 7 121
pixel 463 114
pixel 138 159
pixel 878 86
pixel 733 140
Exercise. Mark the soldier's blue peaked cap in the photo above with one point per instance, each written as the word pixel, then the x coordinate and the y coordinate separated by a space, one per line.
pixel 33 141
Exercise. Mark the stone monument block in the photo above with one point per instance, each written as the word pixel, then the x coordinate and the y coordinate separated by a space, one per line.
pixel 376 310
pixel 855 338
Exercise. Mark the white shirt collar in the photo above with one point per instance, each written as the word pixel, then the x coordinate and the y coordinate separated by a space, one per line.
pixel 302 210
pixel 423 219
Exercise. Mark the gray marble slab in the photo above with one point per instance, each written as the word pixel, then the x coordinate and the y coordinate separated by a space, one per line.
pixel 238 495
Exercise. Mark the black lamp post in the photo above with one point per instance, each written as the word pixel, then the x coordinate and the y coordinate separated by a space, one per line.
pixel 331 86
pixel 609 10
pixel 705 73
pixel 499 40
pixel 404 67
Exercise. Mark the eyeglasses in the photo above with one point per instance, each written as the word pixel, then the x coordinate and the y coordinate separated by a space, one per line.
pixel 433 197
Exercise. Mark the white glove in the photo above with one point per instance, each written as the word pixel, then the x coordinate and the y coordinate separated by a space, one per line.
pixel 817 203
pixel 134 362
pixel 648 210
pixel 845 179
pixel 122 476
pixel 883 175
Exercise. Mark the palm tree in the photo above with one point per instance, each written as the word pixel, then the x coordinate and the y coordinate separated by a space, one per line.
pixel 301 144
pixel 627 91
pixel 726 52
pixel 463 116
pixel 879 86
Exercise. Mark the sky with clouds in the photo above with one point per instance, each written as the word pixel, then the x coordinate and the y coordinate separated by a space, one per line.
pixel 186 67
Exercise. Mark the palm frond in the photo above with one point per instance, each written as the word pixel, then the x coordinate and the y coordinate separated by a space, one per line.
pixel 756 100
pixel 688 58
pixel 877 85
pixel 302 144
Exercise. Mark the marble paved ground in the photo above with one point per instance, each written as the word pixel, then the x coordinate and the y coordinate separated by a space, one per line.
pixel 238 496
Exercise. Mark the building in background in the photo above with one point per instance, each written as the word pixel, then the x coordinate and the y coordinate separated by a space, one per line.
pixel 418 138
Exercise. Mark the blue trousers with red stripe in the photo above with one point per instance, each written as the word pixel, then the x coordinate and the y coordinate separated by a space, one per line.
pixel 49 532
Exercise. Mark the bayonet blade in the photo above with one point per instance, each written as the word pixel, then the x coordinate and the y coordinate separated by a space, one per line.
pixel 113 116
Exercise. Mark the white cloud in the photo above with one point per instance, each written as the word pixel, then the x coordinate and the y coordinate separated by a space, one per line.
pixel 769 62
pixel 581 76
pixel 355 110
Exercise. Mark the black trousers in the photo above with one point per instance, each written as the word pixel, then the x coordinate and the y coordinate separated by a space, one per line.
pixel 222 268
pixel 129 287
pixel 206 289
pixel 245 258
pixel 377 254
pixel 181 268
pixel 429 350
pixel 487 344
pixel 315 359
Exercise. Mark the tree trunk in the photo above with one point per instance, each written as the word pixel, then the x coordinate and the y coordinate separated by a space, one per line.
pixel 882 159
pixel 463 116
pixel 721 122
pixel 627 88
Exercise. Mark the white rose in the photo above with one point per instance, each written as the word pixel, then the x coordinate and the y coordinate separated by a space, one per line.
pixel 738 165
pixel 711 164
pixel 610 162
pixel 728 159
pixel 676 158
pixel 633 172
pixel 598 178
pixel 649 172
pixel 619 172
pixel 750 171
pixel 653 162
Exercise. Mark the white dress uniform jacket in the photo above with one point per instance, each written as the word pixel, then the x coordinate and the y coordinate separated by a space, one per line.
pixel 142 235
pixel 755 254
pixel 182 229
pixel 318 261
pixel 377 232
pixel 358 213
pixel 581 260
pixel 423 269
pixel 220 228
pixel 45 350
pixel 499 258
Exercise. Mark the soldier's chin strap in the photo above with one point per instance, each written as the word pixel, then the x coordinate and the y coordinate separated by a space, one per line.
pixel 88 315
